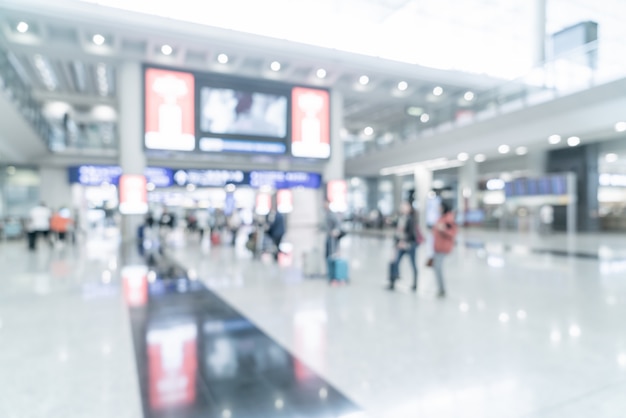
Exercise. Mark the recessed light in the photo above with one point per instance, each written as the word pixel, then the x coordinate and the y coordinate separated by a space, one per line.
pixel 222 58
pixel 574 331
pixel 368 131
pixel 504 149
pixel 554 139
pixel 438 91
pixel 620 126
pixel 521 150
pixel 320 73
pixel 22 27
pixel 98 39
pixel 611 158
pixel 480 158
pixel 167 49
pixel 425 117
pixel 275 66
pixel 463 156
pixel 469 96
pixel 414 111
pixel 364 80
pixel 403 85
pixel 573 141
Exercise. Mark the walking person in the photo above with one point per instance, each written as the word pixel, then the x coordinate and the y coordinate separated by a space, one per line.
pixel 406 241
pixel 276 230
pixel 444 234
pixel 38 224
pixel 332 227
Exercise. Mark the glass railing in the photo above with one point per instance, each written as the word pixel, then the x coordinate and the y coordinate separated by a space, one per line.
pixel 566 74
pixel 57 136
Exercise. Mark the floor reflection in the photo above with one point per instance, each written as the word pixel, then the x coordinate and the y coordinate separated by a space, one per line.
pixel 198 357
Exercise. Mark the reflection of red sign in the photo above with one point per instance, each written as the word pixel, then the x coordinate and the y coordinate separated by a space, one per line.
pixel 310 123
pixel 337 193
pixel 135 285
pixel 284 201
pixel 172 366
pixel 310 341
pixel 169 110
pixel 133 195
pixel 263 203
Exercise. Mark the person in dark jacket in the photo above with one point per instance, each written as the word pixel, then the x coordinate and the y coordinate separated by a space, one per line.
pixel 276 229
pixel 406 242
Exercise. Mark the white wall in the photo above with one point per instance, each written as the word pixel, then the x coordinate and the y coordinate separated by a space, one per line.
pixel 55 188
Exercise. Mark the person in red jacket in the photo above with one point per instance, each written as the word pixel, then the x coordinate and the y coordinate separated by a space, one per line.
pixel 444 233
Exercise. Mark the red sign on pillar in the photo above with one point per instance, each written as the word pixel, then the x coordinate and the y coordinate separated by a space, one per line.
pixel 133 194
pixel 310 136
pixel 169 110
pixel 135 285
pixel 337 193
pixel 284 201
pixel 263 204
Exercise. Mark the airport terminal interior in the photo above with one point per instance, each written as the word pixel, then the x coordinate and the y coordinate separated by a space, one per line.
pixel 312 209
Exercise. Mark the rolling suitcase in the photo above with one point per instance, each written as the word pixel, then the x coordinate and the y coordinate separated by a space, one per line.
pixel 338 269
pixel 312 264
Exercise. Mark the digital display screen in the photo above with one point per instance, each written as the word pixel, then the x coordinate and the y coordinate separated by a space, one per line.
pixel 238 112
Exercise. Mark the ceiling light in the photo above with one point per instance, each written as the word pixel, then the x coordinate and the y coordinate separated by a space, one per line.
pixel 574 331
pixel 222 58
pixel 555 336
pixel 572 141
pixel 438 91
pixel 150 187
pixel 469 96
pixel 464 156
pixel 504 149
pixel 620 126
pixel 275 66
pixel 521 314
pixel 414 111
pixel 521 150
pixel 403 85
pixel 425 117
pixel 480 158
pixel 364 80
pixel 554 139
pixel 504 317
pixel 621 359
pixel 22 27
pixel 611 158
pixel 368 131
pixel 320 73
pixel 98 39
pixel 167 49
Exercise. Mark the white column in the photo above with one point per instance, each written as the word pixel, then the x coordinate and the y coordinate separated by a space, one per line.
pixel 55 188
pixel 131 151
pixel 539 32
pixel 467 198
pixel 397 192
pixel 423 186
pixel 335 168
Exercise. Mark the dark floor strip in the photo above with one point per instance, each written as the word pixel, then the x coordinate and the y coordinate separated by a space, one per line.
pixel 199 357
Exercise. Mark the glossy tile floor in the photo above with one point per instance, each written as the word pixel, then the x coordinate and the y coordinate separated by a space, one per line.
pixel 523 333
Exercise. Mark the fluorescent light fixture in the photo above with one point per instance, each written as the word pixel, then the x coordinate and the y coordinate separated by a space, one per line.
pixel 368 131
pixel 463 156
pixel 321 73
pixel 480 158
pixel 469 96
pixel 98 39
pixel 436 164
pixel 438 91
pixel 521 150
pixel 573 141
pixel 166 50
pixel 495 184
pixel 620 127
pixel 425 117
pixel 554 139
pixel 611 158
pixel 504 149
pixel 414 111
pixel 22 27
pixel 222 58
pixel 403 85
pixel 275 66
pixel 364 80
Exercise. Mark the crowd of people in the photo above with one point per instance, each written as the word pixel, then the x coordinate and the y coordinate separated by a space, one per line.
pixel 54 227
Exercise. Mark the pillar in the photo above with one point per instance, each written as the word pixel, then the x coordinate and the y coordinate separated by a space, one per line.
pixel 131 151
pixel 335 167
pixel 467 198
pixel 423 186
pixel 372 193
pixel 539 22
pixel 397 192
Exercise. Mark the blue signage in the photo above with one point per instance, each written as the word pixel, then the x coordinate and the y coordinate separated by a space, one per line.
pixel 94 175
pixel 241 145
